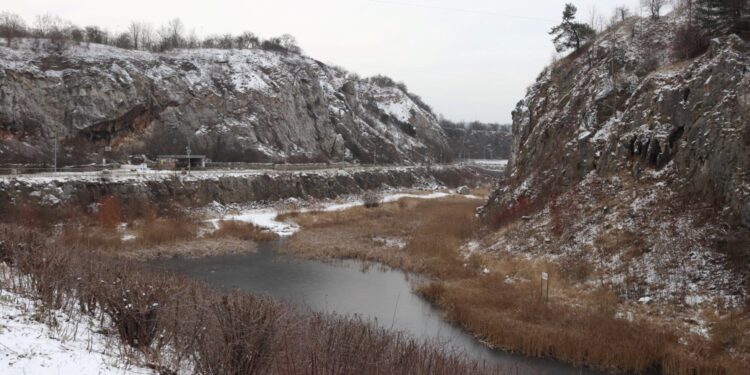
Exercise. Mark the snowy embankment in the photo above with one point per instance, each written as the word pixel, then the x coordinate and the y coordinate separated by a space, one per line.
pixel 488 162
pixel 267 218
pixel 65 345
pixel 145 175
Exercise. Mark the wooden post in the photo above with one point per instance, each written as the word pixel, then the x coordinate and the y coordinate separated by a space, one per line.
pixel 541 287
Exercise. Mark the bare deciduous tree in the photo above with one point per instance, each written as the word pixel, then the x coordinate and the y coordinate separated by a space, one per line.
pixel 43 25
pixel 289 42
pixel 123 41
pixel 247 40
pixel 597 21
pixel 11 26
pixel 622 12
pixel 147 36
pixel 135 30
pixel 77 34
pixel 95 35
pixel 192 40
pixel 172 34
pixel 56 29
pixel 138 35
pixel 654 7
pixel 226 41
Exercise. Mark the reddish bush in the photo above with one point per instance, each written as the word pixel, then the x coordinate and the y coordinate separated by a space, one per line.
pixel 29 216
pixel 110 213
pixel 522 206
pixel 554 218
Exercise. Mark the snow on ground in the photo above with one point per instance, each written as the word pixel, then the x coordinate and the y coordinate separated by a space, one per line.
pixel 496 164
pixel 135 176
pixel 502 162
pixel 267 217
pixel 263 218
pixel 28 346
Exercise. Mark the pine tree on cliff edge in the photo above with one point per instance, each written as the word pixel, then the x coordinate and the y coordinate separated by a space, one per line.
pixel 570 34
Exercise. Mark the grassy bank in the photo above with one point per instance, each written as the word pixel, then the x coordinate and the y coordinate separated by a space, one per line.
pixel 137 230
pixel 498 298
pixel 176 325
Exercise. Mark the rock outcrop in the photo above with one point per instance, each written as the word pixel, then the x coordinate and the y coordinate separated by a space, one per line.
pixel 624 105
pixel 634 166
pixel 231 105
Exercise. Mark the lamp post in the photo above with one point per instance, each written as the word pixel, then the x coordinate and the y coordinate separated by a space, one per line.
pixel 188 156
pixel 55 157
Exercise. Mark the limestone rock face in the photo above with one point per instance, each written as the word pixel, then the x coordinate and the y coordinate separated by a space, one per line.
pixel 625 106
pixel 232 105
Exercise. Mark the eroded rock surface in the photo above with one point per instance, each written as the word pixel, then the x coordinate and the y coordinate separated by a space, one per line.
pixel 232 105
pixel 625 105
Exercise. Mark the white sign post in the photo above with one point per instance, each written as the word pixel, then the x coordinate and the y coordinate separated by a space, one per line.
pixel 545 279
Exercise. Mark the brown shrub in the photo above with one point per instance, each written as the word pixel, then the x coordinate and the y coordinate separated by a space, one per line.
pixel 402 203
pixel 110 214
pixel 164 231
pixel 89 237
pixel 132 300
pixel 555 221
pixel 244 331
pixel 731 332
pixel 625 242
pixel 371 199
pixel 575 268
pixel 689 42
pixel 522 206
pixel 28 215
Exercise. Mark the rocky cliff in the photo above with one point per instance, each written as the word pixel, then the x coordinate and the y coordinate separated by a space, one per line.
pixel 232 105
pixel 624 105
pixel 630 168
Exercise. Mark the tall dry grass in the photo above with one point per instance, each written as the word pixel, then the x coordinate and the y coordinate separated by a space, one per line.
pixel 579 327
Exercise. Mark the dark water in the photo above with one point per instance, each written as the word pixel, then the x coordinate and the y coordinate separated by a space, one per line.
pixel 346 288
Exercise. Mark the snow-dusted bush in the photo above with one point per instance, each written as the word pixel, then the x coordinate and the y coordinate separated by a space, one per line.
pixel 371 199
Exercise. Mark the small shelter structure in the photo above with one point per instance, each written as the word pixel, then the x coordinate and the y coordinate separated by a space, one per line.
pixel 181 161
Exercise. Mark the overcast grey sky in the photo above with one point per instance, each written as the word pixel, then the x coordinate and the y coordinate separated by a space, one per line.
pixel 469 59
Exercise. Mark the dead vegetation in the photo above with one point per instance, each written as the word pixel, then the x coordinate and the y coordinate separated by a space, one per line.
pixel 140 231
pixel 362 233
pixel 173 322
pixel 498 297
